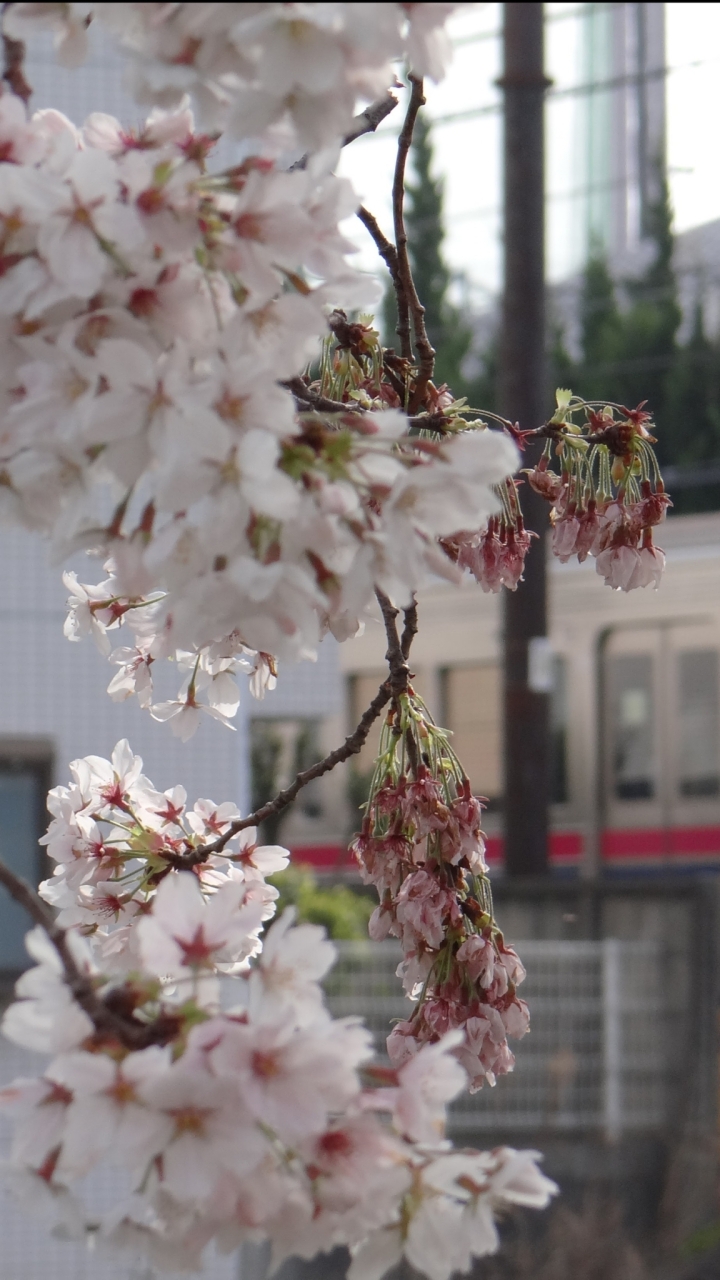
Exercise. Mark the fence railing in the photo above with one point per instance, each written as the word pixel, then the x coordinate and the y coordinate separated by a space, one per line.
pixel 598 1055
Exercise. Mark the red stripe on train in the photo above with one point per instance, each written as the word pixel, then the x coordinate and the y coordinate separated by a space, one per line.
pixel 565 846
pixel 641 845
pixel 669 842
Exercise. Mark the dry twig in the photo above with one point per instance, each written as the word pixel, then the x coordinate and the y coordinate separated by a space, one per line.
pixel 13 65
pixel 368 120
pixel 323 404
pixel 411 304
pixel 107 1021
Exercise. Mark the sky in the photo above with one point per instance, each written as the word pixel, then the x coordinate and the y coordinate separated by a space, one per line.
pixel 468 152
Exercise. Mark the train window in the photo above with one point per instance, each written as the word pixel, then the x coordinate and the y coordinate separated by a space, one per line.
pixel 473 707
pixel 558 733
pixel 633 730
pixel 698 730
pixel 23 787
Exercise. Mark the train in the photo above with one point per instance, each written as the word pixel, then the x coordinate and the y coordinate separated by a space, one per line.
pixel 635 713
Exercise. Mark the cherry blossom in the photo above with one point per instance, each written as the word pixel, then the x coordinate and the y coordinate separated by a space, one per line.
pixel 422 846
pixel 258 1115
pixel 160 318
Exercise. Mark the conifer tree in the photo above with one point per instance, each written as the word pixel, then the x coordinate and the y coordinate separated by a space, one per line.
pixel 692 434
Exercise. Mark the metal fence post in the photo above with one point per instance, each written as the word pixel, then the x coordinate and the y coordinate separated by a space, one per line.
pixel 612 1039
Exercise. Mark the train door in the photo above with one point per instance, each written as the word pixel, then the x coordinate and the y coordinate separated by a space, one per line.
pixel 693 656
pixel 661 751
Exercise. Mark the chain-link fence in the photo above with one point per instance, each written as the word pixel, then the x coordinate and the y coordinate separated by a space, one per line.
pixel 597 1056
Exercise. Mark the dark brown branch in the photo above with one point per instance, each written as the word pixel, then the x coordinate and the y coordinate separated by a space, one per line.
pixel 396 658
pixel 368 120
pixel 411 304
pixel 314 400
pixel 410 616
pixel 107 1022
pixel 388 253
pixel 395 685
pixel 398 200
pixel 13 69
pixel 323 404
pixel 350 747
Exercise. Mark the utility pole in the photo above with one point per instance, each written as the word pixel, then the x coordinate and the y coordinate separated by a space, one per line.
pixel 523 396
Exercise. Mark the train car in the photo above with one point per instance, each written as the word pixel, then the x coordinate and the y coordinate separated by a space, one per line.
pixel 635 710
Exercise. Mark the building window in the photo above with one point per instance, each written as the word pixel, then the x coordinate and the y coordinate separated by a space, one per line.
pixel 279 749
pixel 698 733
pixel 633 728
pixel 24 783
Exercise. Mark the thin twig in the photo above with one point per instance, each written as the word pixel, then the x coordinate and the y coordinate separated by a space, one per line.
pixel 410 617
pixel 368 120
pixel 323 404
pixel 396 658
pixel 13 68
pixel 398 200
pixel 395 685
pixel 107 1022
pixel 387 252
pixel 397 662
pixel 411 304
pixel 350 747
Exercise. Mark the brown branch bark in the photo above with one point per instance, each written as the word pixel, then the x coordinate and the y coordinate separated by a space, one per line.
pixel 350 747
pixel 368 120
pixel 109 1014
pixel 323 404
pixel 13 65
pixel 389 255
pixel 410 618
pixel 396 658
pixel 395 685
pixel 107 1022
pixel 411 304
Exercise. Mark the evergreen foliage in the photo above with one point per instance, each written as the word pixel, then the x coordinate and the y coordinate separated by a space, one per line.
pixel 629 345
pixel 448 329
pixel 632 353
pixel 339 909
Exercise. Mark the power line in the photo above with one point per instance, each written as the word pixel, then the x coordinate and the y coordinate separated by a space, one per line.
pixel 580 11
pixel 571 91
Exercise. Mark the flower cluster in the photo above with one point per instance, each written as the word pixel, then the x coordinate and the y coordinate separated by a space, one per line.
pixel 609 495
pixel 150 311
pixel 114 838
pixel 293 70
pixel 237 1107
pixel 495 555
pixel 422 847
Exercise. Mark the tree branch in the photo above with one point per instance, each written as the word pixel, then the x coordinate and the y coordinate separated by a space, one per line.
pixel 13 68
pixel 323 404
pixel 411 304
pixel 395 685
pixel 396 658
pixel 368 120
pixel 410 616
pixel 107 1022
pixel 388 253
pixel 350 747
pixel 110 1014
